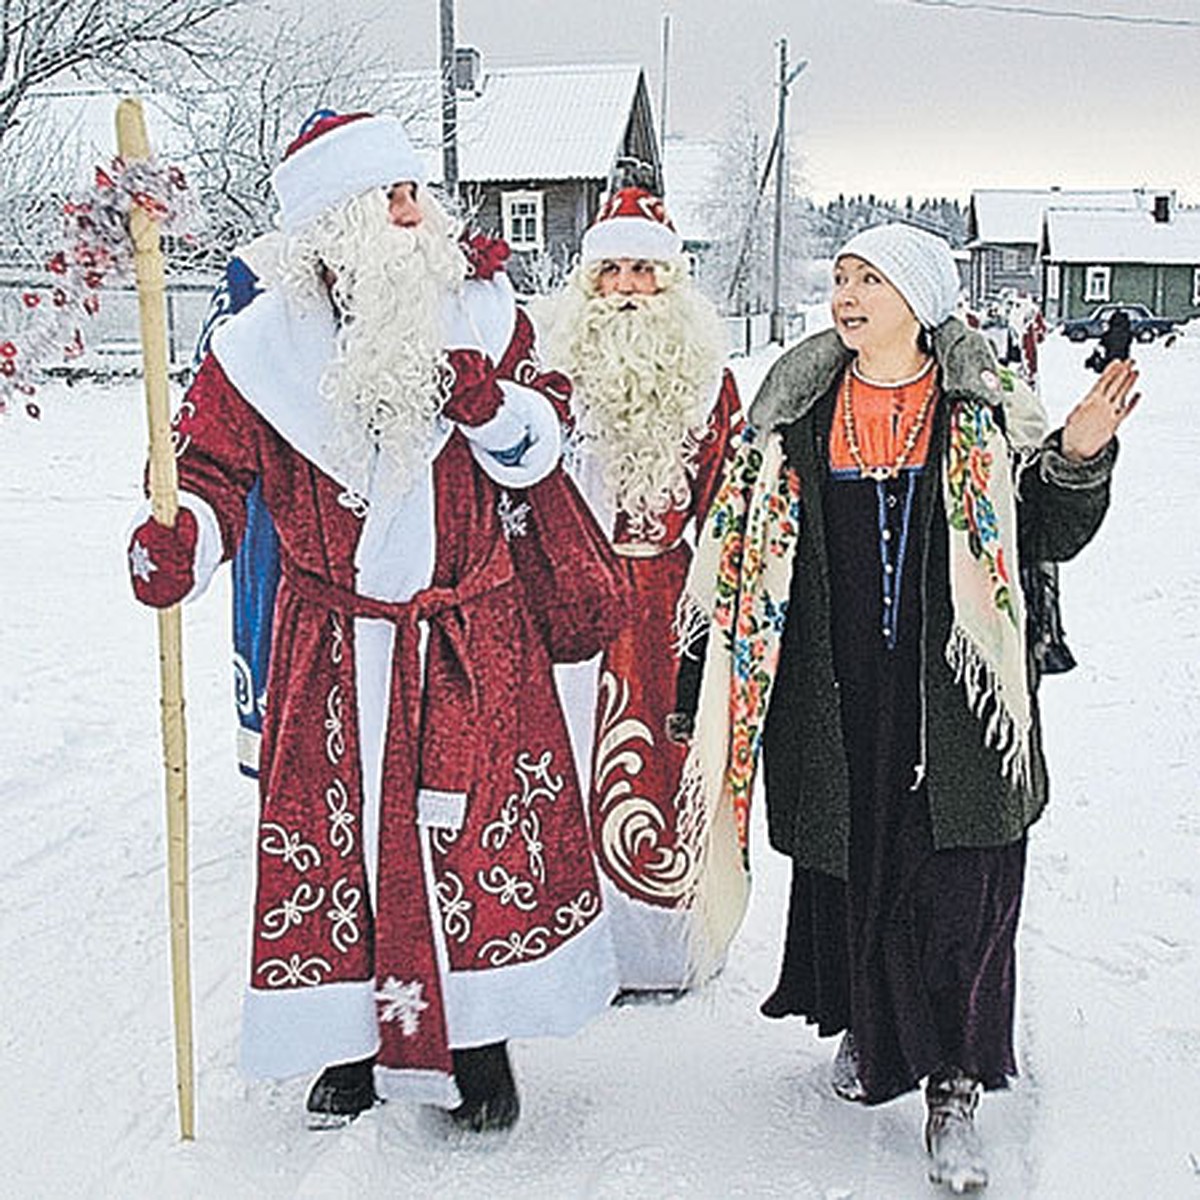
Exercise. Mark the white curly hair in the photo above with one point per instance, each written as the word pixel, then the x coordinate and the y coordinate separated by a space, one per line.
pixel 389 287
pixel 645 370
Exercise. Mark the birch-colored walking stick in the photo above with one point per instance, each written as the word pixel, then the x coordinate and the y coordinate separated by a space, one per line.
pixel 133 145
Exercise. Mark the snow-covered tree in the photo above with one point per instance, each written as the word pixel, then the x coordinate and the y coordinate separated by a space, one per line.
pixel 43 41
pixel 237 115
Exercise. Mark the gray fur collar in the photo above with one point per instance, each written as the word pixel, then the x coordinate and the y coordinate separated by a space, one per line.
pixel 966 365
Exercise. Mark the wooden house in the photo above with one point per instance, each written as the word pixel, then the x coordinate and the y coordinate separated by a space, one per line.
pixel 1091 258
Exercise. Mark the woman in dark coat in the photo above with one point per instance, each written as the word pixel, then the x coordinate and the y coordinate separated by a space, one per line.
pixel 871 532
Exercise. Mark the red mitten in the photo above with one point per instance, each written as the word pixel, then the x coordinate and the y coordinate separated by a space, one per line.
pixel 161 558
pixel 475 395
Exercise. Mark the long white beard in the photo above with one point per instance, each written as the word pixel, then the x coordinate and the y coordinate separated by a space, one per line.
pixel 645 372
pixel 390 288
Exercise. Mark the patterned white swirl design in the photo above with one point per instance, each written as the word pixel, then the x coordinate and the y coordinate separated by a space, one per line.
pixel 508 888
pixel 441 839
pixel 569 918
pixel 289 845
pixel 304 900
pixel 280 972
pixel 635 839
pixel 517 946
pixel 636 843
pixel 344 915
pixel 356 502
pixel 495 834
pixel 335 733
pixel 337 643
pixel 456 908
pixel 531 835
pixel 341 819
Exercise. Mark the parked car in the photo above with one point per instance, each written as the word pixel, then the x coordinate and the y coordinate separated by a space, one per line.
pixel 1144 324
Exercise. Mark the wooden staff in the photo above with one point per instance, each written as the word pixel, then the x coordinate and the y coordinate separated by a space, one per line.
pixel 133 145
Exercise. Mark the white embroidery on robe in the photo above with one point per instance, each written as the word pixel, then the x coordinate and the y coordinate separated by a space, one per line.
pixel 508 888
pixel 518 813
pixel 341 819
pixel 290 846
pixel 304 900
pixel 344 915
pixel 456 908
pixel 530 944
pixel 335 734
pixel 280 972
pixel 575 914
pixel 402 1002
pixel 513 517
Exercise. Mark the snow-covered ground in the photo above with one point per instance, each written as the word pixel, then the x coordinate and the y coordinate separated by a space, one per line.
pixel 703 1098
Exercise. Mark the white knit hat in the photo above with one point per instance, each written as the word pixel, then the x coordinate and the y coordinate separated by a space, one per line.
pixel 337 157
pixel 917 264
pixel 632 224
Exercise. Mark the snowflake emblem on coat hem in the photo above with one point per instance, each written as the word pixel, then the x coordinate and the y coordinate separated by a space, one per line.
pixel 402 1002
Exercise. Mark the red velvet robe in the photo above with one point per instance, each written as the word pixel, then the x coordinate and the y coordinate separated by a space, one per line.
pixel 424 874
pixel 634 768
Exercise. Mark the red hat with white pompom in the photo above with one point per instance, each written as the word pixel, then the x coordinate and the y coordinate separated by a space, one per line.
pixel 632 224
pixel 337 156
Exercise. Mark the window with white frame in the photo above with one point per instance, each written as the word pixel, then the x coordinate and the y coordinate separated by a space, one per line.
pixel 522 215
pixel 1196 285
pixel 1053 282
pixel 1097 283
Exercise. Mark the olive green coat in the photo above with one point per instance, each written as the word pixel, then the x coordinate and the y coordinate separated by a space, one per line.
pixel 1060 506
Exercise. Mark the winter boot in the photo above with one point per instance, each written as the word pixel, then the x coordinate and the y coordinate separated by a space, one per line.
pixel 955 1151
pixel 340 1093
pixel 845 1080
pixel 489 1093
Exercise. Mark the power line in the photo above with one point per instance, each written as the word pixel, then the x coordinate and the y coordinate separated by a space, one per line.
pixel 1030 10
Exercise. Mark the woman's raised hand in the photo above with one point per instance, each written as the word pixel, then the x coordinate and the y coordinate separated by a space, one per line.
pixel 1097 417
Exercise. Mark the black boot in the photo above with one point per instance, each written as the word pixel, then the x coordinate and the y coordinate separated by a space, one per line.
pixel 340 1093
pixel 489 1093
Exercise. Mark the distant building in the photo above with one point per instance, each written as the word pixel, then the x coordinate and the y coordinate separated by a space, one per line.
pixel 1122 256
pixel 1004 232
pixel 539 147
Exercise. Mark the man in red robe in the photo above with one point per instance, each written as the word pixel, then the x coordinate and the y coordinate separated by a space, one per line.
pixel 654 416
pixel 425 890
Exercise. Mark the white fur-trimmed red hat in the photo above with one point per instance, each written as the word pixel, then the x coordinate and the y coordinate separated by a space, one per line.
pixel 338 156
pixel 632 224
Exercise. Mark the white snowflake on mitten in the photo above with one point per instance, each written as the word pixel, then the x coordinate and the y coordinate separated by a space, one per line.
pixel 141 565
pixel 402 1002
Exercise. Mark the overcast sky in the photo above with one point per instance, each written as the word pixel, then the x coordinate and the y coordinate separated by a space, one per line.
pixel 900 96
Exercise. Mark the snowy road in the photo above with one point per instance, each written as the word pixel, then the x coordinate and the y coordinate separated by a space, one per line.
pixel 704 1098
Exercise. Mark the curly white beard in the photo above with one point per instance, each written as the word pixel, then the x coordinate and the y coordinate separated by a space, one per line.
pixel 389 287
pixel 645 370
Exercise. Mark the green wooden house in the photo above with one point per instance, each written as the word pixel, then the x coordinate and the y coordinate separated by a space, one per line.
pixel 1089 258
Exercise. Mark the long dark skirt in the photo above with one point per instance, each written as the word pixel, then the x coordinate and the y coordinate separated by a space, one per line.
pixel 915 953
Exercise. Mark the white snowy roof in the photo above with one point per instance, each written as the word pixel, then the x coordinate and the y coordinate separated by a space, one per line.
pixel 1013 216
pixel 1110 237
pixel 689 171
pixel 565 121
pixel 78 125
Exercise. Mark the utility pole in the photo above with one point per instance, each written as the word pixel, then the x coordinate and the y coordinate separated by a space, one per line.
pixel 786 79
pixel 449 103
pixel 666 69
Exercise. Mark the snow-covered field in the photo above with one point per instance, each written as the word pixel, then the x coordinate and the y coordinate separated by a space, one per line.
pixel 703 1098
